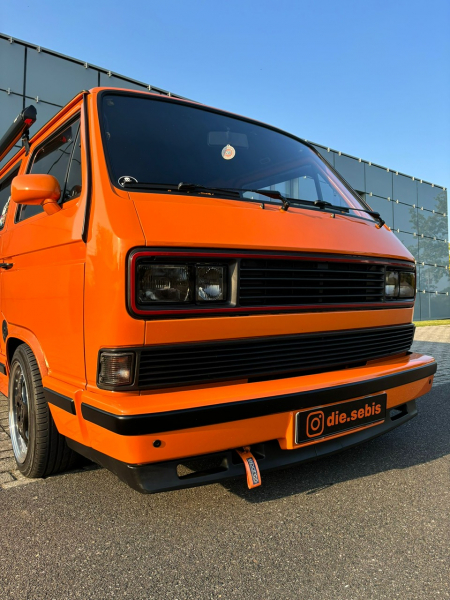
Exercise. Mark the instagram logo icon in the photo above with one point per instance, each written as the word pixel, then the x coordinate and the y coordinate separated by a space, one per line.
pixel 315 424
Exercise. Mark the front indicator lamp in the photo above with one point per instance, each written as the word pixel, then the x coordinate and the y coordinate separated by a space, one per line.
pixel 116 368
pixel 400 284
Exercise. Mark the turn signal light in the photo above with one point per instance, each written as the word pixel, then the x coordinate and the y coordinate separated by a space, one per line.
pixel 116 368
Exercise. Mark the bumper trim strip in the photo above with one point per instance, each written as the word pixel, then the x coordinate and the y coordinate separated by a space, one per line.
pixel 201 416
pixel 60 401
pixel 163 476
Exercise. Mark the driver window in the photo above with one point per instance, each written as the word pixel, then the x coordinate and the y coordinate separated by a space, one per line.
pixel 53 159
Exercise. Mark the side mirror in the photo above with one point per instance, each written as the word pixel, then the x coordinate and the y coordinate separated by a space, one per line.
pixel 37 189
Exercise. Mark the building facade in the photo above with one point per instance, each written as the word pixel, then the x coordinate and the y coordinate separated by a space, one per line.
pixel 414 209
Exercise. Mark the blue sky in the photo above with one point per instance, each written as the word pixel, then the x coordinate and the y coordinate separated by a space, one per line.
pixel 371 79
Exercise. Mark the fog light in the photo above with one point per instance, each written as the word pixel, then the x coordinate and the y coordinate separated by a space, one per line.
pixel 210 284
pixel 116 368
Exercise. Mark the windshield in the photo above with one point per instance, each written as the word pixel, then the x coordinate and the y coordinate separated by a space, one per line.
pixel 152 141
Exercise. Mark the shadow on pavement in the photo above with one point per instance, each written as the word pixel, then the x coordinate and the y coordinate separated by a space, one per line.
pixel 424 439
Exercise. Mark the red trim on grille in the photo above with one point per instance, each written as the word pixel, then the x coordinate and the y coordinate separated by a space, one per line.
pixel 256 309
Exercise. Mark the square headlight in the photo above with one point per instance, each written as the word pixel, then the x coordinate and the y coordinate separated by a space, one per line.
pixel 391 284
pixel 164 283
pixel 210 283
pixel 407 285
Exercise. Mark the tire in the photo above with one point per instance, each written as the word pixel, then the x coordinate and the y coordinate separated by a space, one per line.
pixel 38 448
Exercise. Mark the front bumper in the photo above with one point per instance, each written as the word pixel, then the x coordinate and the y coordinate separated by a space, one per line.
pixel 166 476
pixel 152 429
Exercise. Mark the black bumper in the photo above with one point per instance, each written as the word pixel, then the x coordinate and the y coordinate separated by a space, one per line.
pixel 164 477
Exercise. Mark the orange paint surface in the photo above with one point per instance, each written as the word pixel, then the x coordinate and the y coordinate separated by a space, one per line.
pixel 65 296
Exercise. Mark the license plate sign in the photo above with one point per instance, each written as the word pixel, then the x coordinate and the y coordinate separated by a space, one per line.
pixel 328 421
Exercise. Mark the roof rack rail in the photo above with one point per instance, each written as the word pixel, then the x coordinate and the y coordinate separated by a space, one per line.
pixel 19 129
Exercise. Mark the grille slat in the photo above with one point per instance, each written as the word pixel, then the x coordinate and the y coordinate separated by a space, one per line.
pixel 256 352
pixel 220 375
pixel 186 364
pixel 274 282
pixel 221 368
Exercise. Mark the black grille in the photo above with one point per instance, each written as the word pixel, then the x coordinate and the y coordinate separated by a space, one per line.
pixel 267 358
pixel 274 282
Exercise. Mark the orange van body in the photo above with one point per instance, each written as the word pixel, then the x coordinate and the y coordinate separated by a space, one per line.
pixel 65 293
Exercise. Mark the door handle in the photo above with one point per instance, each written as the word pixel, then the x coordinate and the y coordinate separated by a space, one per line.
pixel 6 266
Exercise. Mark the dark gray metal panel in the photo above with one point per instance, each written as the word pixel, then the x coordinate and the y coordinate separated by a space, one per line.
pixel 434 306
pixel 113 81
pixel 405 217
pixel 431 197
pixel 378 181
pixel 433 225
pixel 410 241
pixel 10 106
pixel 44 113
pixel 440 306
pixel 433 252
pixel 404 188
pixel 433 279
pixel 11 66
pixel 351 170
pixel 328 155
pixel 54 79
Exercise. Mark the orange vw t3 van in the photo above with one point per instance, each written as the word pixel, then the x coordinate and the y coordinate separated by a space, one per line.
pixel 189 295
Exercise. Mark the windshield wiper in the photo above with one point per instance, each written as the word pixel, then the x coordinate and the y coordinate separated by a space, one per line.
pixel 236 193
pixel 323 204
pixel 276 195
pixel 194 187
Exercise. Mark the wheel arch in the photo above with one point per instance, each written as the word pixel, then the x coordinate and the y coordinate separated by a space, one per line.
pixel 19 335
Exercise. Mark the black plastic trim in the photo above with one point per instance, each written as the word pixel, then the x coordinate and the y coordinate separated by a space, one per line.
pixel 2 369
pixel 60 401
pixel 158 253
pixel 87 214
pixel 215 347
pixel 163 477
pixel 202 416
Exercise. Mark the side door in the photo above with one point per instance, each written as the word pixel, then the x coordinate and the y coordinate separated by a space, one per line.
pixel 5 191
pixel 43 290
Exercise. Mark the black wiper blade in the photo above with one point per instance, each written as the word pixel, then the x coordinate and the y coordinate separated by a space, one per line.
pixel 188 187
pixel 323 204
pixel 194 187
pixel 275 194
pixel 375 215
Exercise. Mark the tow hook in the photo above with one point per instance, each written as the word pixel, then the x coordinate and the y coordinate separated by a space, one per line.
pixel 251 467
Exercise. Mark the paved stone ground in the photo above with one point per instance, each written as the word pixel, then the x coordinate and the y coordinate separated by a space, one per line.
pixel 433 340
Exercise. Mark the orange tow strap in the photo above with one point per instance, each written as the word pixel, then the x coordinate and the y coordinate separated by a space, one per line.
pixel 251 467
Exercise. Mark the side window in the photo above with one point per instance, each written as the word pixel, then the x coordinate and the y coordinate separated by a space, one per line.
pixel 5 192
pixel 73 183
pixel 53 159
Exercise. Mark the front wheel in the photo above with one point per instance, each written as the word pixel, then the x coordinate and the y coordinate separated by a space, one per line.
pixel 38 448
